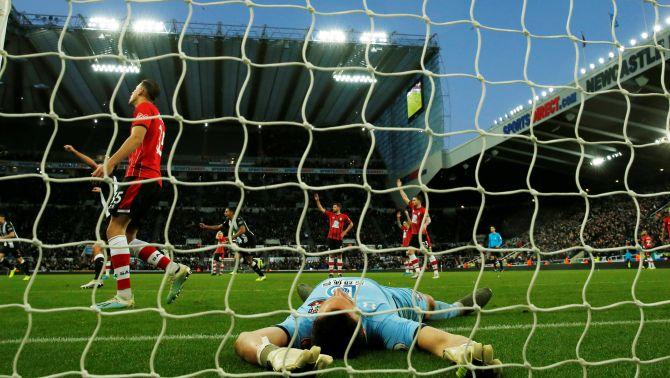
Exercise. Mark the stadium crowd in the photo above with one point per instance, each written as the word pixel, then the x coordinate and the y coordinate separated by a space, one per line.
pixel 72 211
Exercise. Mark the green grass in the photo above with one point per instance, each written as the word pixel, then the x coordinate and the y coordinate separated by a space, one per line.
pixel 57 339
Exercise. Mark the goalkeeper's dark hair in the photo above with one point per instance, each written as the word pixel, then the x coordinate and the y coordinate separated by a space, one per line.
pixel 152 89
pixel 333 332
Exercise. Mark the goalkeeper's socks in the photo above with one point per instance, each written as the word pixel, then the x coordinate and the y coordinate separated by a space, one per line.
pixel 447 314
pixel 120 256
pixel 263 352
pixel 98 264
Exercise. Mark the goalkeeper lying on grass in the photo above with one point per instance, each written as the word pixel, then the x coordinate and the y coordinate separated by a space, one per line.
pixel 322 338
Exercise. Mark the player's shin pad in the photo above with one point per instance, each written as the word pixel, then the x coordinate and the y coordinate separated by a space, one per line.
pixel 292 359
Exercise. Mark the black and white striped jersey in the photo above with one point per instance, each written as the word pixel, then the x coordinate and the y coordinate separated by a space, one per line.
pixel 6 229
pixel 236 225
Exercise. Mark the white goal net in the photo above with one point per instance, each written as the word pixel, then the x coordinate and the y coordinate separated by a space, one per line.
pixel 518 124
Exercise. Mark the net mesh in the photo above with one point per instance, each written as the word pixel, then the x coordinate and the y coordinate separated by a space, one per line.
pixel 485 134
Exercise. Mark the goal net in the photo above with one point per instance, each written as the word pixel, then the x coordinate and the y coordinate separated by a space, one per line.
pixel 212 324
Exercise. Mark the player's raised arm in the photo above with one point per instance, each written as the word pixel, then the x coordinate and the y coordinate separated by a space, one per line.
pixel 397 218
pixel 402 192
pixel 211 228
pixel 129 145
pixel 81 156
pixel 318 203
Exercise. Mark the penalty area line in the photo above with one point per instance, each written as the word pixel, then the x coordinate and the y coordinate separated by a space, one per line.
pixel 220 336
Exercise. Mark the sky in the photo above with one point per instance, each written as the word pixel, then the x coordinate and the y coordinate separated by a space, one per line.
pixel 551 62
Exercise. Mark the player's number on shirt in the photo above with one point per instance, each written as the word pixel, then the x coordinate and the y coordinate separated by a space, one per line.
pixel 161 139
pixel 116 199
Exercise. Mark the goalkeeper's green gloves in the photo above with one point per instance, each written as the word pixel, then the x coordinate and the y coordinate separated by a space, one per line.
pixel 291 359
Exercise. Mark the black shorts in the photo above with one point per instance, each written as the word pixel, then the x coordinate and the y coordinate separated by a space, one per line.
pixel 333 244
pixel 218 256
pixel 246 242
pixel 134 200
pixel 10 251
pixel 414 242
pixel 497 254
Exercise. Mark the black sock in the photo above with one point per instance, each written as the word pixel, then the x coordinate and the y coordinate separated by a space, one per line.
pixel 6 264
pixel 25 268
pixel 98 264
pixel 256 269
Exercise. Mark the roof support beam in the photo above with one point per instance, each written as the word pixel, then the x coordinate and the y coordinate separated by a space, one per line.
pixel 647 109
pixel 640 125
pixel 183 95
pixel 524 153
pixel 256 78
pixel 218 76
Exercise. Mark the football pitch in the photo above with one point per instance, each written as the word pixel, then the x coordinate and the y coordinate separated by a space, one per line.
pixel 124 342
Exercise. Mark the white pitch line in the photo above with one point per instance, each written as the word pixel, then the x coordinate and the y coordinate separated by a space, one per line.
pixel 219 336
pixel 47 340
pixel 511 327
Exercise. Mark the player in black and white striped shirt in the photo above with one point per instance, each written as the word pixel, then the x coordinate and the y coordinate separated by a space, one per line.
pixel 98 256
pixel 242 236
pixel 8 247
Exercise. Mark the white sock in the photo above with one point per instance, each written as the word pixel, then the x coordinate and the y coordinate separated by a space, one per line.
pixel 118 246
pixel 433 262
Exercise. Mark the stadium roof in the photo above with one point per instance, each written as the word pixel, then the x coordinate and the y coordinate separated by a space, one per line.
pixel 602 125
pixel 211 87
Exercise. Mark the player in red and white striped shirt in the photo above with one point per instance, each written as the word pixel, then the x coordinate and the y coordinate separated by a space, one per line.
pixel 665 231
pixel 132 201
pixel 219 253
pixel 419 225
pixel 647 243
pixel 406 238
pixel 339 226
